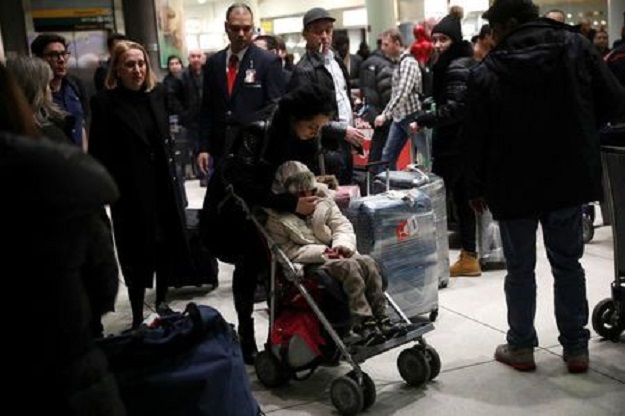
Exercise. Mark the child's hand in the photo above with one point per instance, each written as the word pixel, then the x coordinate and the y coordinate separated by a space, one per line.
pixel 332 254
pixel 344 251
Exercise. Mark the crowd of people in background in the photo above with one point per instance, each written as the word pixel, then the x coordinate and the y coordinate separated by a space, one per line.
pixel 248 108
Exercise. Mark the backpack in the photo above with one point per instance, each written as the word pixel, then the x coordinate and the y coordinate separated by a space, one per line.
pixel 171 367
pixel 296 339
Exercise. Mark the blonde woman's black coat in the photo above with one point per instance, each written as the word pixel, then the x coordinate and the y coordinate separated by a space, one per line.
pixel 150 205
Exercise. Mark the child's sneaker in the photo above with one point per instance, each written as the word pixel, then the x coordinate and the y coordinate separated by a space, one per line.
pixel 576 362
pixel 369 333
pixel 391 329
pixel 519 358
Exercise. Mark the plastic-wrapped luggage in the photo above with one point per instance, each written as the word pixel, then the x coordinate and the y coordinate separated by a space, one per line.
pixel 345 194
pixel 434 187
pixel 397 229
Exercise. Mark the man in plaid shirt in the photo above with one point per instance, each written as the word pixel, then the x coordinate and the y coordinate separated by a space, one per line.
pixel 404 102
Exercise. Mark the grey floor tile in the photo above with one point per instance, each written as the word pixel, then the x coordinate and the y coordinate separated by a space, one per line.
pixel 606 357
pixel 459 341
pixel 494 389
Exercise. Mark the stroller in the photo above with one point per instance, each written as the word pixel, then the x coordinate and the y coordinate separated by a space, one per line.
pixel 608 317
pixel 355 391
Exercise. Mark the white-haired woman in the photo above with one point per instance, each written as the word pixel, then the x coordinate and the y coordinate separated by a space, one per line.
pixel 33 76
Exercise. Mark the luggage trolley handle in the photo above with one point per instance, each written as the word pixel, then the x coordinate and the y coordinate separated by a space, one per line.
pixel 369 170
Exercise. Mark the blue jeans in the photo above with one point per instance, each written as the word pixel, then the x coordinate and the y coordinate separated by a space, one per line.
pixel 423 142
pixel 397 136
pixel 562 235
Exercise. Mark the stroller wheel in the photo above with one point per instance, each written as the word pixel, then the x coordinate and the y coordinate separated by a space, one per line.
pixel 368 389
pixel 433 315
pixel 588 230
pixel 413 367
pixel 269 370
pixel 347 396
pixel 605 319
pixel 434 360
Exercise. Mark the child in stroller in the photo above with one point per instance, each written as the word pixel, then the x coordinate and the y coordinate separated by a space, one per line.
pixel 327 239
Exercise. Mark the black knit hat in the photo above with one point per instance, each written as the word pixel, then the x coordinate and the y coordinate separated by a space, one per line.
pixel 449 26
pixel 502 10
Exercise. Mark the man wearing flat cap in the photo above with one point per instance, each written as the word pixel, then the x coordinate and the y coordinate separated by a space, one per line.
pixel 534 108
pixel 321 66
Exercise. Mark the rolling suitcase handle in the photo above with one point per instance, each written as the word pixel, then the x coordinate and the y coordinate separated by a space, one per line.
pixel 368 169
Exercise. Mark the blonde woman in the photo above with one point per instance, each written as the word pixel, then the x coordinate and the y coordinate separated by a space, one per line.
pixel 33 76
pixel 130 136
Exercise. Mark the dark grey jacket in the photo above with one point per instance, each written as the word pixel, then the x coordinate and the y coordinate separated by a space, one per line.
pixel 311 70
pixel 376 83
pixel 534 108
pixel 57 249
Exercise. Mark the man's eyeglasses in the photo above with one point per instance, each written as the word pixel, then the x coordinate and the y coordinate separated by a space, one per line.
pixel 57 55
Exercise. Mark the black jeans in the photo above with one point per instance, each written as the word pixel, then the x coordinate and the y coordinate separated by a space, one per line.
pixel 450 170
pixel 252 262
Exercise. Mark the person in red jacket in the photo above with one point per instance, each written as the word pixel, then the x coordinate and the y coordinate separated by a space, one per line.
pixel 421 48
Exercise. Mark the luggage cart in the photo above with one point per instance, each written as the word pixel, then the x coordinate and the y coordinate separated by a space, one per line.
pixel 608 317
pixel 355 391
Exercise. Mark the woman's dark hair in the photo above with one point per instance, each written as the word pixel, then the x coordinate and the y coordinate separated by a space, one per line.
pixel 307 101
pixel 15 114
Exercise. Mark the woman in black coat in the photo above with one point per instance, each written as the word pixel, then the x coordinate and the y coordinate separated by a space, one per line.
pixel 130 136
pixel 57 248
pixel 453 61
pixel 288 131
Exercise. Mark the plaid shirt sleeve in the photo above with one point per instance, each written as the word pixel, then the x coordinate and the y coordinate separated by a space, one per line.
pixel 409 78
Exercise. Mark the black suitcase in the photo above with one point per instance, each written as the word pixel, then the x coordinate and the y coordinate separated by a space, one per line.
pixel 205 266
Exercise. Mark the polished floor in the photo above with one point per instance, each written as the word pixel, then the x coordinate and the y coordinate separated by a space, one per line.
pixel 472 321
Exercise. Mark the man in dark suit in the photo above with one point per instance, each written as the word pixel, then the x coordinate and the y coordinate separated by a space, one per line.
pixel 238 81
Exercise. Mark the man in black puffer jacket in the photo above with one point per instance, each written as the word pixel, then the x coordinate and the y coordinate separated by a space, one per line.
pixel 535 105
pixel 376 86
pixel 58 258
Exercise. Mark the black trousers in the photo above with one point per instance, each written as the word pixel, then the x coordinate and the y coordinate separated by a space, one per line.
pixel 252 262
pixel 450 169
pixel 380 135
pixel 139 280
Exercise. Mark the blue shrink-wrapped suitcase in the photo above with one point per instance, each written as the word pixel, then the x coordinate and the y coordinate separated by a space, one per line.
pixel 434 187
pixel 397 229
